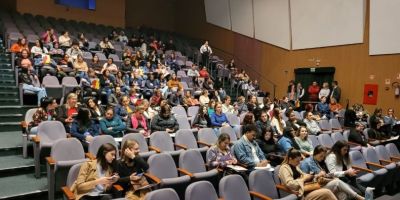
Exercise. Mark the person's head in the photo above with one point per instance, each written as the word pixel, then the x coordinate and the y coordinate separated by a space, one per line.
pixel 290 115
pixel 291 82
pixel 302 133
pixel 202 110
pixel 289 132
pixel 206 43
pixel 24 53
pixel 390 111
pixel 277 113
pixel 248 118
pixel 264 116
pixel 309 107
pixel 211 104
pixel 91 104
pixel 314 83
pixel 293 157
pixel 323 99
pixel 83 116
pixel 253 99
pixel 227 100
pixel 106 73
pixel 81 36
pixel 125 100
pixel 250 130
pixel 106 156
pixel 299 85
pixel 72 99
pixel 110 61
pixel 75 44
pixel 359 127
pixel 205 93
pixel 132 145
pixel 378 112
pixel 173 77
pixel 309 115
pixel 333 100
pixel 38 43
pixel 139 111
pixel 341 151
pixel 48 103
pixel 223 141
pixel 334 83
pixel 319 153
pixel 79 58
pixel 165 111
pixel 325 85
pixel 95 59
pixel 218 108
pixel 267 134
pixel 105 39
pixel 65 33
pixel 109 114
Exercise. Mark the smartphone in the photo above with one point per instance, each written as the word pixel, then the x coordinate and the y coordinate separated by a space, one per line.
pixel 140 174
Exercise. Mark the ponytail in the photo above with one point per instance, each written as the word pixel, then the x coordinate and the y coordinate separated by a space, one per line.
pixel 291 154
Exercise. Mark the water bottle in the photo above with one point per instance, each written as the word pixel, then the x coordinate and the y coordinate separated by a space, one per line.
pixel 369 193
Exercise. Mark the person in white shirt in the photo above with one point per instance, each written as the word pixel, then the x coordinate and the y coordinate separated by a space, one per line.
pixel 64 40
pixel 205 51
pixel 325 91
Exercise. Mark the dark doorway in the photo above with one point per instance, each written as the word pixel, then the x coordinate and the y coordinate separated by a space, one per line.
pixel 306 76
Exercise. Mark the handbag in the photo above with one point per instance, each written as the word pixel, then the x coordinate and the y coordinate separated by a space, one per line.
pixel 138 183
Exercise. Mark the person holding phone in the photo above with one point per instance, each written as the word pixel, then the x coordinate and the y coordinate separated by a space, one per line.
pixel 68 110
pixel 131 168
pixel 220 155
pixel 95 177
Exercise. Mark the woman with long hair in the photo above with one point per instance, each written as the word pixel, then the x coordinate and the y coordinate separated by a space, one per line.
pixel 83 127
pixel 67 111
pixel 137 122
pixel 287 140
pixel 164 121
pixel 302 140
pixel 130 168
pixel 219 155
pixel 295 180
pixel 46 111
pixel 96 177
pixel 268 144
pixel 338 163
pixel 202 119
pixel 96 111
pixel 277 122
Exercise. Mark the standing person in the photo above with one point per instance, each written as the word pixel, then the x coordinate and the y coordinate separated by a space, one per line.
pixel 325 91
pixel 96 177
pixel 291 91
pixel 205 51
pixel 299 92
pixel 336 91
pixel 313 91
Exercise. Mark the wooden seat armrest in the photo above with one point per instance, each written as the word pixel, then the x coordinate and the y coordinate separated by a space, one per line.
pixel 385 161
pixel 395 158
pixel 90 156
pixel 337 129
pixel 153 178
pixel 50 161
pixel 36 139
pixel 118 188
pixel 242 165
pixel 181 146
pixel 375 165
pixel 362 169
pixel 157 150
pixel 203 143
pixel 68 193
pixel 284 188
pixel 184 171
pixel 259 195
pixel 353 143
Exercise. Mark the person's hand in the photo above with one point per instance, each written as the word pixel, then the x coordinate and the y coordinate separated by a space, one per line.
pixel 321 173
pixel 351 172
pixel 105 180
pixel 142 131
pixel 129 153
pixel 263 163
pixel 234 161
pixel 89 138
pixel 134 177
pixel 69 120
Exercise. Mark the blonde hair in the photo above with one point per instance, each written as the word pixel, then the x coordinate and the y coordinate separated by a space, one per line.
pixel 127 144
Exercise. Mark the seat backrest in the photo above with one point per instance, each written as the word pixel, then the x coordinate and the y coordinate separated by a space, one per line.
pixel 70 81
pixel 183 122
pixel 357 159
pixel 201 190
pixel 324 124
pixel 114 57
pixel 179 111
pixel 370 155
pixel 192 161
pixel 162 140
pixel 336 136
pixel 346 134
pixel 51 131
pixel 193 110
pixel 29 115
pixel 100 140
pixel 233 187
pixel 162 165
pixel 162 194
pixel 233 119
pixel 50 81
pixel 138 137
pixel 365 132
pixel 335 123
pixel 186 137
pixel 73 174
pixel 229 130
pixel 326 140
pixel 207 135
pixel 262 181
pixel 242 115
pixel 313 140
pixel 392 149
pixel 298 116
pixel 67 149
pixel 382 152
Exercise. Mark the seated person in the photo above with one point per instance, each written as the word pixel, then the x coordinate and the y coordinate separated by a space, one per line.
pixel 392 121
pixel 74 51
pixel 204 99
pixel 277 121
pixel 19 46
pixel 227 107
pixel 247 151
pixel 46 111
pixel 323 108
pixel 201 120
pixel 164 121
pixel 189 100
pixel 374 132
pixel 175 99
pixel 110 66
pixel 84 128
pixel 218 118
pixel 262 123
pixel 302 140
pixel 112 125
pixel 137 122
pixel 268 144
pixel 293 178
pixel 25 61
pixel 30 84
pixel 96 111
pixel 312 125
pixel 67 111
pixel 124 109
pixel 293 121
pixel 106 46
pixel 356 135
pixel 174 84
pixel 334 106
pixel 287 140
pixel 130 168
pixel 96 177
pixel 219 155
pixel 64 40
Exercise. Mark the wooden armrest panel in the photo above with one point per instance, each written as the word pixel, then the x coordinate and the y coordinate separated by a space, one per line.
pixel 385 161
pixel 184 171
pixel 375 165
pixel 181 146
pixel 67 192
pixel 155 179
pixel 284 188
pixel 259 195
pixel 242 165
pixel 362 169
pixel 353 143
pixel 36 139
pixel 50 161
pixel 90 156
pixel 395 158
pixel 203 143
pixel 157 150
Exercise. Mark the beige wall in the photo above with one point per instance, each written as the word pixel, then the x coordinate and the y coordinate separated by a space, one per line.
pixel 107 12
pixel 352 62
pixel 158 14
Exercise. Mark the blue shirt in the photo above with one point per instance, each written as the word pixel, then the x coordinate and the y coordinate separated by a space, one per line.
pixel 310 165
pixel 285 144
pixel 218 120
pixel 243 152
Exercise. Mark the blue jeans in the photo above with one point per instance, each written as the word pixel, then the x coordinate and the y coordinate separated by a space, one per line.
pixel 41 92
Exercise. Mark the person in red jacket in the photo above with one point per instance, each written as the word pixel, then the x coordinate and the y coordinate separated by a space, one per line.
pixel 313 91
